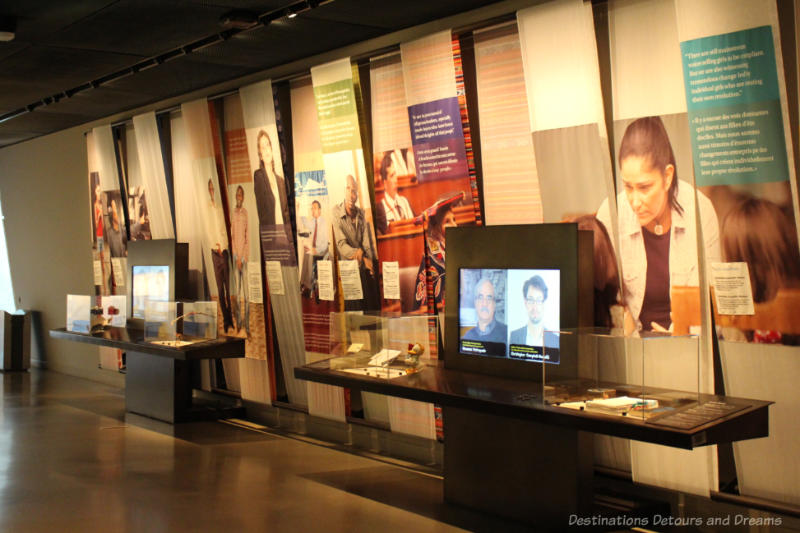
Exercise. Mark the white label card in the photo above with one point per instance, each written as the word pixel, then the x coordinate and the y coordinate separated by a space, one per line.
pixel 351 280
pixel 391 280
pixel 98 272
pixel 733 294
pixel 325 279
pixel 275 277
pixel 118 268
pixel 254 292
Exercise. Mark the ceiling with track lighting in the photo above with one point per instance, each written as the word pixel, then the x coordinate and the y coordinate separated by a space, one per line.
pixel 70 63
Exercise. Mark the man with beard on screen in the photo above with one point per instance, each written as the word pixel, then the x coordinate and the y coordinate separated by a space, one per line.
pixel 488 329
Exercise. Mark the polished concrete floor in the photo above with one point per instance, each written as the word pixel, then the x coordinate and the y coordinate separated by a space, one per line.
pixel 70 460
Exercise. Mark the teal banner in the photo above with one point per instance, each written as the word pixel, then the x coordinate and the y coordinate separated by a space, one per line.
pixel 734 108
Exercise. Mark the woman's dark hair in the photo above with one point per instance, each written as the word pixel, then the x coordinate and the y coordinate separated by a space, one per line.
pixel 761 234
pixel 647 138
pixel 435 221
pixel 606 273
pixel 262 133
pixel 386 162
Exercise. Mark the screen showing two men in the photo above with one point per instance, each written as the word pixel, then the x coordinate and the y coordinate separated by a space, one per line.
pixel 148 283
pixel 511 313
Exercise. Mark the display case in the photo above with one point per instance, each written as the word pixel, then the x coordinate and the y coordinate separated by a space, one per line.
pixel 177 324
pixel 623 376
pixel 381 346
pixel 91 314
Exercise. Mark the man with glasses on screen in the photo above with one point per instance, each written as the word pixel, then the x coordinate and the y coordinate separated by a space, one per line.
pixel 535 293
pixel 488 329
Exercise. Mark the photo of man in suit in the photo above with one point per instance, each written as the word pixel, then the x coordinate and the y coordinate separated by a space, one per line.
pixel 543 345
pixel 535 293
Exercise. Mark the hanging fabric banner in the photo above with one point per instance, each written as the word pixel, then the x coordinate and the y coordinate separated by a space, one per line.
pixel 315 253
pixel 565 106
pixel 740 152
pixel 348 184
pixel 208 208
pixel 101 257
pixel 398 202
pixel 443 189
pixel 277 242
pixel 424 183
pixel 115 233
pixel 148 199
pixel 659 209
pixel 510 181
pixel 569 134
pixel 744 163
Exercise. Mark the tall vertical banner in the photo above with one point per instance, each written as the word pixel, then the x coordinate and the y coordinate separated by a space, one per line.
pixel 148 200
pixel 736 97
pixel 206 196
pixel 665 227
pixel 101 259
pixel 247 299
pixel 348 184
pixel 398 202
pixel 315 253
pixel 102 187
pixel 444 188
pixel 422 186
pixel 510 180
pixel 114 233
pixel 277 242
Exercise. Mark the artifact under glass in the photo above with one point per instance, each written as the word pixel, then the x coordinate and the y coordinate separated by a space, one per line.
pixel 177 324
pixel 380 346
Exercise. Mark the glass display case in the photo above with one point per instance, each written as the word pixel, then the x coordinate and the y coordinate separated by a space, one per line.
pixel 91 314
pixel 653 377
pixel 381 346
pixel 78 312
pixel 177 324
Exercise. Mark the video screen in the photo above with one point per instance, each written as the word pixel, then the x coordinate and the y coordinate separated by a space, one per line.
pixel 148 283
pixel 510 313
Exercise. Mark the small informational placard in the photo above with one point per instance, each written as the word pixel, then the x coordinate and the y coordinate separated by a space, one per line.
pixel 98 272
pixel 351 280
pixel 274 277
pixel 391 280
pixel 118 268
pixel 733 294
pixel 254 293
pixel 325 279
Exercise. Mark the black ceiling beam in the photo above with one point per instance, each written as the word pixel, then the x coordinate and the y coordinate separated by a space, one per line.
pixel 264 20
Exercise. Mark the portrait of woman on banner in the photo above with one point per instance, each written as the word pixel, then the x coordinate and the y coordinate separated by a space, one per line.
pixel 657 225
pixel 270 187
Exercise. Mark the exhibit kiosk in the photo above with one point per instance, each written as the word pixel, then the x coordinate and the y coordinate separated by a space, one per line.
pixel 162 337
pixel 520 407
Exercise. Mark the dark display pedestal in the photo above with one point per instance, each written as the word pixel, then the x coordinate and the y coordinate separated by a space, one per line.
pixel 529 471
pixel 158 383
pixel 509 452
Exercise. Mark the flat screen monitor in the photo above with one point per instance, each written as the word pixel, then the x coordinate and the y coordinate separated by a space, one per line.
pixel 148 282
pixel 510 312
pixel 510 290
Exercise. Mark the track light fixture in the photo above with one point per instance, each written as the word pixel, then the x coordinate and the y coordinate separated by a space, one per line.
pixel 8 28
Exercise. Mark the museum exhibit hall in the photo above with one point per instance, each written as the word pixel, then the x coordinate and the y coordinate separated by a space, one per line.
pixel 343 265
